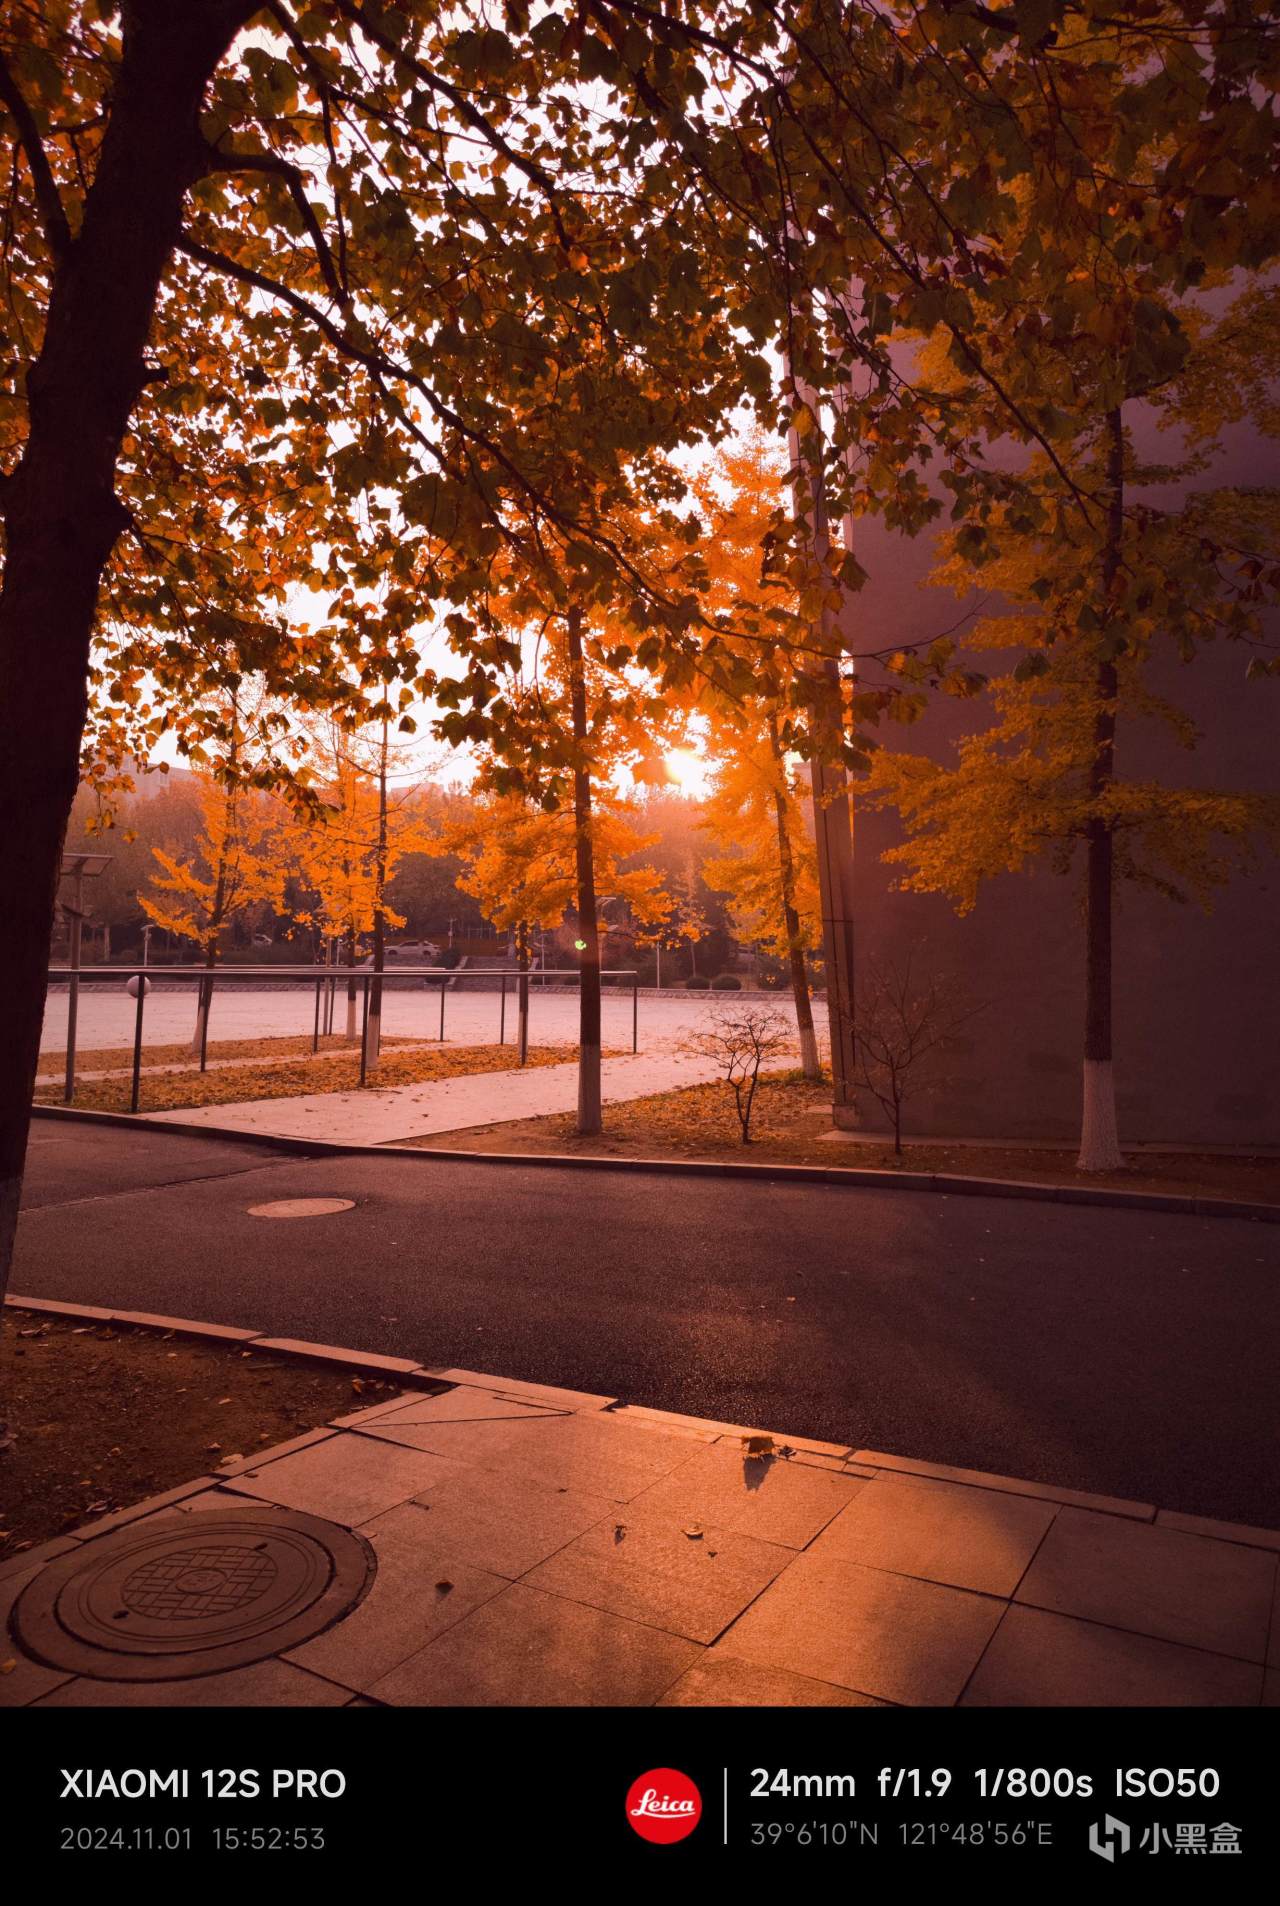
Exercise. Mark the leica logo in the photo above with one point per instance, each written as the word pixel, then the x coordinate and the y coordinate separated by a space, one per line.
pixel 663 1806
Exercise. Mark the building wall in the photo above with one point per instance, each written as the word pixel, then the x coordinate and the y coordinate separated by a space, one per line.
pixel 1197 997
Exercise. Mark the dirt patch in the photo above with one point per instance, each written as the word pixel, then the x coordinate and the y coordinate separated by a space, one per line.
pixel 101 1417
pixel 120 1058
pixel 291 1078
pixel 792 1116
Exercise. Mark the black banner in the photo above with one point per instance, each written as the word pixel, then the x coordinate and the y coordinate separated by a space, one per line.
pixel 859 1790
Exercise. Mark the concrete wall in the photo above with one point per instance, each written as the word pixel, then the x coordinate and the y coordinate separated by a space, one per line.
pixel 1197 996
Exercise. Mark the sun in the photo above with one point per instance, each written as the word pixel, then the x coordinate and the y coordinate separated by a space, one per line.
pixel 689 770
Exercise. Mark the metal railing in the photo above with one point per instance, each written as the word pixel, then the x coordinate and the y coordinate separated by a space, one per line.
pixel 322 977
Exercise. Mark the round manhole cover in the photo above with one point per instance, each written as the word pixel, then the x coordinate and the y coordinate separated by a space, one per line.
pixel 193 1595
pixel 302 1208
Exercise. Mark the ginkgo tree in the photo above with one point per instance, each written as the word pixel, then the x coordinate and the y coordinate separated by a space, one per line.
pixel 1088 620
pixel 362 813
pixel 520 861
pixel 756 812
pixel 236 868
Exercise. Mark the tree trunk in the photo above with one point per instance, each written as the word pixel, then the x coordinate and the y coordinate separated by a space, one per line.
pixel 590 1116
pixel 61 514
pixel 809 1063
pixel 204 990
pixel 353 1024
pixel 1099 1139
pixel 522 992
pixel 832 818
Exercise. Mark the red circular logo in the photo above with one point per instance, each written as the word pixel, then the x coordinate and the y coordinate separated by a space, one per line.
pixel 663 1805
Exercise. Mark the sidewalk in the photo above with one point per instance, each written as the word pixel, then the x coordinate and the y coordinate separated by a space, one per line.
pixel 517 1545
pixel 401 1112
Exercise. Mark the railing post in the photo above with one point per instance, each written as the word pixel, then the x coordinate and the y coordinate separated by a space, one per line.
pixel 502 1020
pixel 73 992
pixel 443 984
pixel 207 994
pixel 364 1034
pixel 315 1029
pixel 635 1012
pixel 135 1096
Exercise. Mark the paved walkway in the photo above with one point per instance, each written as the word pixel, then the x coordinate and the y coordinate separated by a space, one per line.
pixel 541 1547
pixel 374 1117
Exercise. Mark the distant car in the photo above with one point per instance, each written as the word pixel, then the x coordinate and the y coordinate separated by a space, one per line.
pixel 263 939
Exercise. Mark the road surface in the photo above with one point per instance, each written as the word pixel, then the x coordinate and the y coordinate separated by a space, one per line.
pixel 1108 1350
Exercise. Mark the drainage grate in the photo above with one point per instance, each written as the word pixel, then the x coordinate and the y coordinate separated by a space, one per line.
pixel 192 1595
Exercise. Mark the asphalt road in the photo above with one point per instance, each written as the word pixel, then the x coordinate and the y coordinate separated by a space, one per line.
pixel 1108 1350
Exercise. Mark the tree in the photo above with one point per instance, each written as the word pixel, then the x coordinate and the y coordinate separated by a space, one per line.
pixel 235 866
pixel 216 371
pixel 756 812
pixel 902 1025
pixel 738 1037
pixel 521 862
pixel 348 839
pixel 1090 612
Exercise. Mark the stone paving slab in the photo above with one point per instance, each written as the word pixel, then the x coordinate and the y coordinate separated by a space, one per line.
pixel 686 1579
pixel 528 1649
pixel 939 1532
pixel 548 1549
pixel 504 1522
pixel 910 1642
pixel 766 1497
pixel 272 1683
pixel 348 1478
pixel 718 1680
pixel 1040 1659
pixel 419 1591
pixel 1155 1581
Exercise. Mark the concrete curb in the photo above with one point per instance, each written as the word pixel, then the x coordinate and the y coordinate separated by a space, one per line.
pixel 402 1369
pixel 840 1458
pixel 948 1184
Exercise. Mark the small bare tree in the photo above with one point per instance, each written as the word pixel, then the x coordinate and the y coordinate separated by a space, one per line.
pixel 902 1025
pixel 738 1036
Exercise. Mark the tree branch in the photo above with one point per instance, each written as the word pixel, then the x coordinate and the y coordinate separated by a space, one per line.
pixel 53 217
pixel 274 166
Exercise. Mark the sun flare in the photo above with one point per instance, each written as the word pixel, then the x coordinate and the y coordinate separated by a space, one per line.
pixel 689 770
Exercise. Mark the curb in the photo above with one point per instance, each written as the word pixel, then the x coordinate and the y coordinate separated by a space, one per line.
pixel 403 1369
pixel 949 1184
pixel 835 1458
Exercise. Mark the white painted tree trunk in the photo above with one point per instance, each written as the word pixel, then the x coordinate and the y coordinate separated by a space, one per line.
pixel 373 1049
pixel 202 1020
pixel 809 1062
pixel 1099 1138
pixel 353 1024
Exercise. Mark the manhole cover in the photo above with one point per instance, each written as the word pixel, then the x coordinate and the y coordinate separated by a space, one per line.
pixel 194 1595
pixel 302 1208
